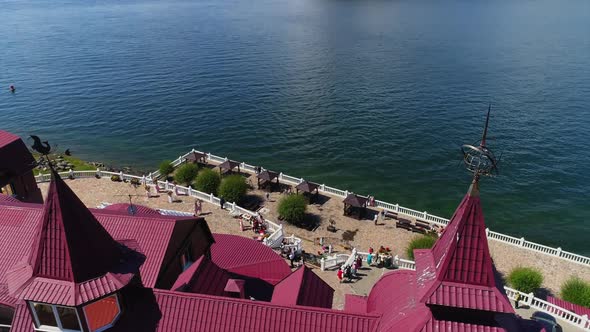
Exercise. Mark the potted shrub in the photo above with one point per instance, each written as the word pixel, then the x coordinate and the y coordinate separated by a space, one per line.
pixel 577 291
pixel 525 279
pixel 166 168
pixel 186 173
pixel 233 188
pixel 135 182
pixel 208 181
pixel 292 209
pixel 420 242
pixel 116 178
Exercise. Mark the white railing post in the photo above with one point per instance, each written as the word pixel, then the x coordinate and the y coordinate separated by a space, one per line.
pixel 281 176
pixel 71 174
pixel 211 197
pixel 425 214
pixel 208 156
pixel 190 190
pixel 233 206
pixel 323 264
pixel 558 252
pixel 98 173
pixel 396 208
pixel 584 321
pixel 487 232
pixel 530 297
pixel 121 175
pixel 346 193
pixel 225 158
pixel 396 260
pixel 166 185
pixel 323 187
pixel 521 242
pixel 143 181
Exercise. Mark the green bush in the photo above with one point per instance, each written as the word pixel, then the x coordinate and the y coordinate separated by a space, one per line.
pixel 292 208
pixel 577 291
pixel 525 279
pixel 186 173
pixel 233 188
pixel 208 181
pixel 420 242
pixel 166 168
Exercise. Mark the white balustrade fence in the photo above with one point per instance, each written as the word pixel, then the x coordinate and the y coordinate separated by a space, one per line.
pixel 520 242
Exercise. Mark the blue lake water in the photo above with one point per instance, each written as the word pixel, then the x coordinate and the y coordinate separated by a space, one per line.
pixel 370 96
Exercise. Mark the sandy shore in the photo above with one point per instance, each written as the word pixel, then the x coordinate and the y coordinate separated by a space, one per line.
pixel 361 233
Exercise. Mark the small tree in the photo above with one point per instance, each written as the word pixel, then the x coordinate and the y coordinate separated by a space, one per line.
pixel 292 208
pixel 186 173
pixel 577 291
pixel 525 279
pixel 166 168
pixel 233 188
pixel 420 242
pixel 208 181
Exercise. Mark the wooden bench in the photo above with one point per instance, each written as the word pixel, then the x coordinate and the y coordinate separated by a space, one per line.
pixel 404 223
pixel 421 226
pixel 390 215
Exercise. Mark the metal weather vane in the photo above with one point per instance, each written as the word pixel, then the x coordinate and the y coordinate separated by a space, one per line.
pixel 479 159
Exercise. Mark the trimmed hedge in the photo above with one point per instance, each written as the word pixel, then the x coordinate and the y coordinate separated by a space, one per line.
pixel 292 208
pixel 233 188
pixel 525 279
pixel 166 168
pixel 420 242
pixel 577 291
pixel 208 181
pixel 186 173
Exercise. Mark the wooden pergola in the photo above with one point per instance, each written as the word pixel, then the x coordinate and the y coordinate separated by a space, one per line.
pixel 196 157
pixel 354 204
pixel 228 166
pixel 311 188
pixel 267 177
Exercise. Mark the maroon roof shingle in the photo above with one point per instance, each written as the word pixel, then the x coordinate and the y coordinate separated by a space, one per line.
pixel 303 287
pixel 196 312
pixel 254 259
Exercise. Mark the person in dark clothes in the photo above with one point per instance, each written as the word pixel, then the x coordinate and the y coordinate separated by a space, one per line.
pixel 221 202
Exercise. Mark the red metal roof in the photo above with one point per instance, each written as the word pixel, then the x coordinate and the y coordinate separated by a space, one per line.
pixel 18 222
pixel 15 156
pixel 72 245
pixel 462 254
pixel 249 258
pixel 140 210
pixel 464 269
pixel 6 198
pixel 434 325
pixel 303 287
pixel 473 297
pixel 196 312
pixel 74 259
pixel 203 277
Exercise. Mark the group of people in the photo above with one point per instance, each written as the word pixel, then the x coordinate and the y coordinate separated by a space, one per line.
pixel 349 272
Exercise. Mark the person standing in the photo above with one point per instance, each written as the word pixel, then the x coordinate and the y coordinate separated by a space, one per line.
pixel 517 300
pixel 221 202
pixel 376 218
pixel 340 275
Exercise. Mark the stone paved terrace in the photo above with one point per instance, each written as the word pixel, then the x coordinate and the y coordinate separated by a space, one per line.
pixel 95 191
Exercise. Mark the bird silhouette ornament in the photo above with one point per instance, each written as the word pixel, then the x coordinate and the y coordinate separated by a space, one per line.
pixel 42 147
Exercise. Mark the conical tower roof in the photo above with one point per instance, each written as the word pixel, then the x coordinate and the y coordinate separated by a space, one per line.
pixel 74 259
pixel 72 245
pixel 461 268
